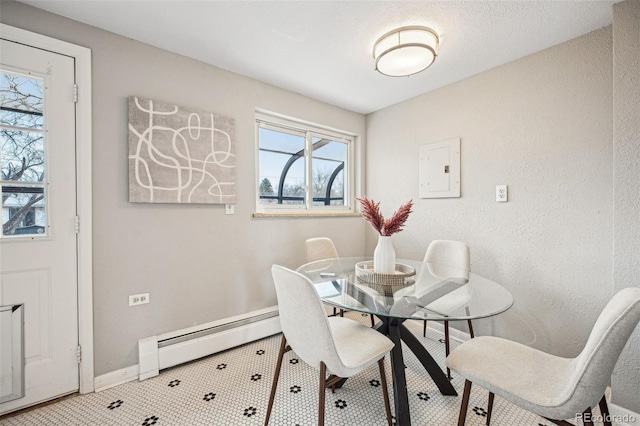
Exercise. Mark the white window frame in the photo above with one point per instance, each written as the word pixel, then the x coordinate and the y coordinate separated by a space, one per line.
pixel 277 122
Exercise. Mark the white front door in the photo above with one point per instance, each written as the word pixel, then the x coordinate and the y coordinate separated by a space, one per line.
pixel 38 247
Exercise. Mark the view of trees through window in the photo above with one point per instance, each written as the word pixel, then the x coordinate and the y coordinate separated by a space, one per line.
pixel 22 154
pixel 283 169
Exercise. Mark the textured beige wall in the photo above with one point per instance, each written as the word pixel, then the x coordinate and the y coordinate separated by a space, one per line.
pixel 198 263
pixel 541 125
pixel 626 186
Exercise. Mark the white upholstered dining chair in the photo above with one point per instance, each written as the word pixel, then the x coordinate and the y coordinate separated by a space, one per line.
pixel 448 259
pixel 337 345
pixel 550 386
pixel 321 248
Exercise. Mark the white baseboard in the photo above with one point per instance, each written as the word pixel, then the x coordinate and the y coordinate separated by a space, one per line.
pixel 200 347
pixel 623 417
pixel 454 333
pixel 152 359
pixel 116 378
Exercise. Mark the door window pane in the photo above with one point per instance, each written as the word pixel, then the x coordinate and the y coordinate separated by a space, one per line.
pixel 21 101
pixel 23 210
pixel 22 155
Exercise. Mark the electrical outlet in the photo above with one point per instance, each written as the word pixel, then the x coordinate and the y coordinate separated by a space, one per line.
pixel 229 208
pixel 138 299
pixel 501 193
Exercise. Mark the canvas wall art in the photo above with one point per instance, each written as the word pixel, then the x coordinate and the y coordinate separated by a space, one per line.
pixel 180 155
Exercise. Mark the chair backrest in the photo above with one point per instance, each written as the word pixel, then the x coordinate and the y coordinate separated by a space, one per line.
pixel 594 365
pixel 448 259
pixel 303 318
pixel 320 248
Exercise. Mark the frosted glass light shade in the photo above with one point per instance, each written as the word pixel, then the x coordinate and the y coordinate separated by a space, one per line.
pixel 405 51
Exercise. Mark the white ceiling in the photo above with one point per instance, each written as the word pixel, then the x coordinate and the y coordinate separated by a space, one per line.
pixel 322 49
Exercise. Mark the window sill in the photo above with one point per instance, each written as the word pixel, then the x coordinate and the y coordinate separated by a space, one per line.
pixel 314 215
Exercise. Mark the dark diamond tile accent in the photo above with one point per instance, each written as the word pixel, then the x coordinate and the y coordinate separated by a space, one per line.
pixel 294 361
pixel 221 366
pixel 423 396
pixel 260 352
pixel 174 383
pixel 442 341
pixel 256 377
pixel 341 404
pixel 374 382
pixel 251 411
pixel 295 389
pixel 210 396
pixel 150 421
pixel 480 411
pixel 115 404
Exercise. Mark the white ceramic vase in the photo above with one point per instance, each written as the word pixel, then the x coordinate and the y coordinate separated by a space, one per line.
pixel 384 256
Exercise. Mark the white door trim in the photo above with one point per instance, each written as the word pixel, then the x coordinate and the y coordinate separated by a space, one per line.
pixel 82 57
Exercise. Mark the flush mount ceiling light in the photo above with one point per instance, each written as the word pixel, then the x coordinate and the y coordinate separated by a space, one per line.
pixel 405 51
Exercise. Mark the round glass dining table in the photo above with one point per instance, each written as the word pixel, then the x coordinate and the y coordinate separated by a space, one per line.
pixel 420 291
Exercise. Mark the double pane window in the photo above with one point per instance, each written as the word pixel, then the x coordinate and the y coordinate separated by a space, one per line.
pixel 303 168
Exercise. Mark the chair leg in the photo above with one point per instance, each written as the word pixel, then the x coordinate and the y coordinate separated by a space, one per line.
pixel 424 328
pixel 470 329
pixel 446 345
pixel 373 323
pixel 490 407
pixel 274 385
pixel 323 386
pixel 589 416
pixel 385 391
pixel 604 410
pixel 462 418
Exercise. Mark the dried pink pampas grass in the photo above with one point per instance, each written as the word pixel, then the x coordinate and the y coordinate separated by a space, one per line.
pixel 371 213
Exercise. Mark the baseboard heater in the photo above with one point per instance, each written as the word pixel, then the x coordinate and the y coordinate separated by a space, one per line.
pixel 167 350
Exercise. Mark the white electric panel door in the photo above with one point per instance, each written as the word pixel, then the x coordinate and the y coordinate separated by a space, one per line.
pixel 440 169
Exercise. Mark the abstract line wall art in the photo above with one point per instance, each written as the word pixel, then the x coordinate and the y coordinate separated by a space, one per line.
pixel 179 155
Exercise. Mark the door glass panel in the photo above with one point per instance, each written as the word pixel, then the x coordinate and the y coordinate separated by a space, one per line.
pixel 22 155
pixel 23 210
pixel 21 101
pixel 329 158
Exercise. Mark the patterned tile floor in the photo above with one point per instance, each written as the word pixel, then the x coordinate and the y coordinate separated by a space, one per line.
pixel 232 388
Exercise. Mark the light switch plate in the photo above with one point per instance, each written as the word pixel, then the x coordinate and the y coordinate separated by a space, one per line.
pixel 229 208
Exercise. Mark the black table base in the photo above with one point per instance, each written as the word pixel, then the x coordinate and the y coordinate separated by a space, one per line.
pixel 397 332
pixel 393 328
